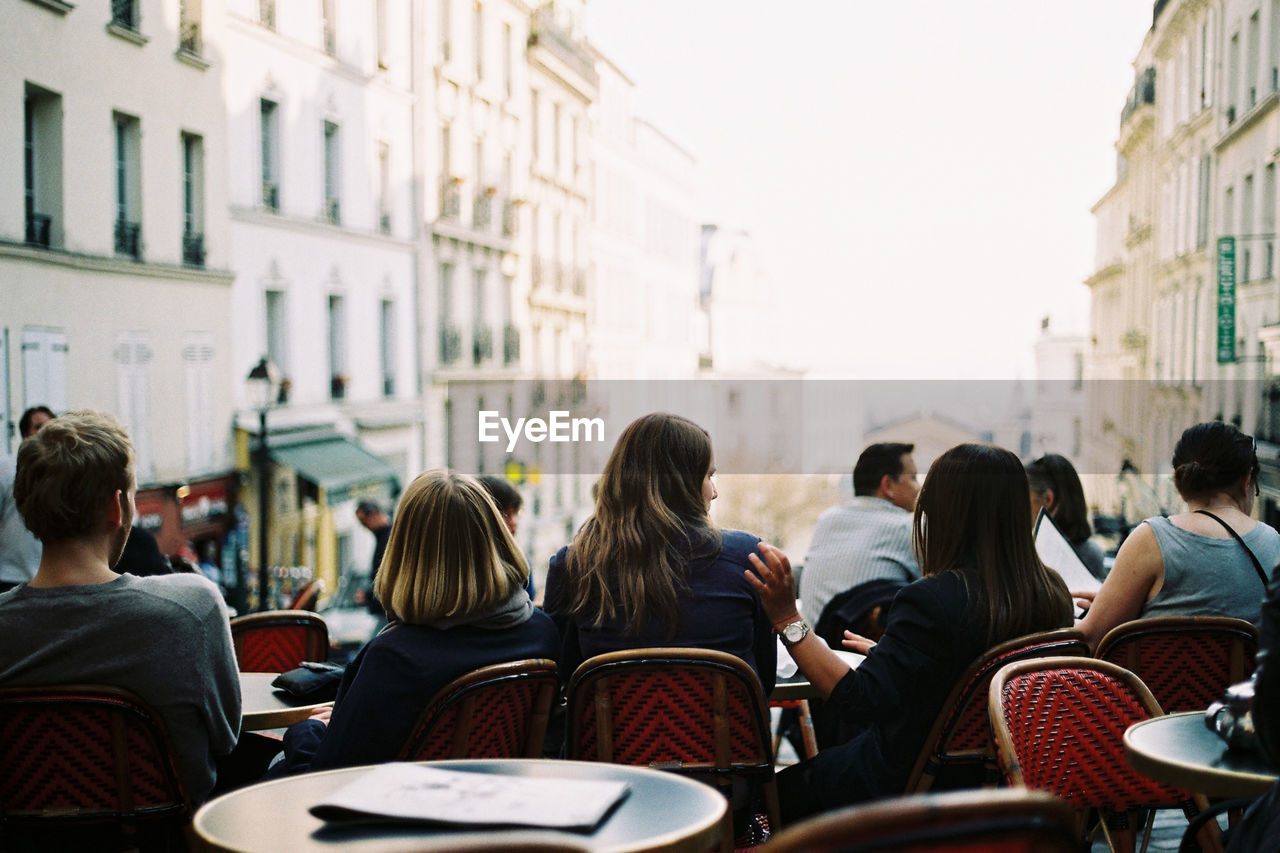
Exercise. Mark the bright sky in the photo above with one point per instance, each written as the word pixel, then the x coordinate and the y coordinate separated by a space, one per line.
pixel 917 174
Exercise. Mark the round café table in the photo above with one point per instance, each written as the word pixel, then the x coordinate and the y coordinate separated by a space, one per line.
pixel 1178 749
pixel 663 812
pixel 264 707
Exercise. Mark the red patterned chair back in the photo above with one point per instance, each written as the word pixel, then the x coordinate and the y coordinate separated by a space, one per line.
pixel 279 640
pixel 1059 725
pixel 697 712
pixel 1187 662
pixel 961 736
pixel 1014 820
pixel 86 754
pixel 498 711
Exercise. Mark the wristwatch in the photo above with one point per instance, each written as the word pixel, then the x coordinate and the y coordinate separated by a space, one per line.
pixel 794 632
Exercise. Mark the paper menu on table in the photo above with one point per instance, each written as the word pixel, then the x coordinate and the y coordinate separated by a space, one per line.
pixel 1056 553
pixel 402 791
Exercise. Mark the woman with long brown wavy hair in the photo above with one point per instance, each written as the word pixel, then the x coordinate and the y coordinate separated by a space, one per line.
pixel 982 584
pixel 649 568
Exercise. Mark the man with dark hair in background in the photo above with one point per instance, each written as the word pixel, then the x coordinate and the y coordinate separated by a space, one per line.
pixel 19 550
pixel 377 522
pixel 867 539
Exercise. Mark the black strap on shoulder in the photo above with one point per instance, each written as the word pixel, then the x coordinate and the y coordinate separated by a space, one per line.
pixel 1256 565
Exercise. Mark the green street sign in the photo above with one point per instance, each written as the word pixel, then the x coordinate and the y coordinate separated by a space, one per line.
pixel 1226 300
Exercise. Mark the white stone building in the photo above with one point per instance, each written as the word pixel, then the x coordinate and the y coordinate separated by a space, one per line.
pixel 324 211
pixel 114 244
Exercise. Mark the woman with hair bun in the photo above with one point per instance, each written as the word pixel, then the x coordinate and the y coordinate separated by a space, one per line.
pixel 1191 564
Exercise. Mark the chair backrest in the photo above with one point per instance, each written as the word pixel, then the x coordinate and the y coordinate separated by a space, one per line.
pixel 279 640
pixel 86 753
pixel 960 741
pixel 1013 820
pixel 308 595
pixel 1187 662
pixel 1059 725
pixel 498 711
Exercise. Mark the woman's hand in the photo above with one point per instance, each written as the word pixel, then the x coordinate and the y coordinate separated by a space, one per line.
pixel 322 714
pixel 857 643
pixel 1083 598
pixel 776 585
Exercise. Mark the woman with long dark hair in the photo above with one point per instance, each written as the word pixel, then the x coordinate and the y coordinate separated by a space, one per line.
pixel 1056 488
pixel 648 568
pixel 1213 560
pixel 982 584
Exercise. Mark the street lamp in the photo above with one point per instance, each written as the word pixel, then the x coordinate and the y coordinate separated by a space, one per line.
pixel 262 382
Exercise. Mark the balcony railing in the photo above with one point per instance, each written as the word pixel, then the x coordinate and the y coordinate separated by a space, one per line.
pixel 450 199
pixel 510 344
pixel 267 13
pixel 128 238
pixel 271 196
pixel 481 344
pixel 482 213
pixel 39 228
pixel 1142 93
pixel 450 344
pixel 333 211
pixel 546 32
pixel 189 37
pixel 510 218
pixel 330 39
pixel 193 249
pixel 124 13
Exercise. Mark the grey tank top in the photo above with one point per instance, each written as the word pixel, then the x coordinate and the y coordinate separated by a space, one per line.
pixel 1205 576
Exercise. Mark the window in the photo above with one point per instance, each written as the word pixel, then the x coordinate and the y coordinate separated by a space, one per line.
pixel 124 13
pixel 1233 78
pixel 534 124
pixel 555 139
pixel 337 347
pixel 128 230
pixel 332 175
pixel 267 13
pixel 44 368
pixel 450 338
pixel 328 34
pixel 1202 205
pixel 387 337
pixel 507 85
pixel 1269 219
pixel 384 188
pixel 270 132
pixel 133 388
pixel 446 30
pixel 479 41
pixel 197 364
pixel 481 334
pixel 380 31
pixel 41 165
pixel 277 349
pixel 1251 59
pixel 192 200
pixel 189 35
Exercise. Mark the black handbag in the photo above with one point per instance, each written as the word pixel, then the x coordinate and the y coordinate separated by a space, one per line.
pixel 311 682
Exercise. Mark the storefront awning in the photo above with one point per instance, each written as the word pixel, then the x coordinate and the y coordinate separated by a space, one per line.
pixel 339 465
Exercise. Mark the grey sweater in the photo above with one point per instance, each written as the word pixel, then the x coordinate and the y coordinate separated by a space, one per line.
pixel 165 638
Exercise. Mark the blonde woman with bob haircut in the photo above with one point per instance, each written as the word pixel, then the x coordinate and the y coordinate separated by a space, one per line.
pixel 649 568
pixel 982 584
pixel 452 583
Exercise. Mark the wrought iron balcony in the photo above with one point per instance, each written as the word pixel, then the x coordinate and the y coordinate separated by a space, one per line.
pixel 39 228
pixel 450 344
pixel 267 13
pixel 330 39
pixel 510 218
pixel 124 13
pixel 510 344
pixel 128 238
pixel 333 211
pixel 1142 93
pixel 193 248
pixel 481 344
pixel 271 196
pixel 189 37
pixel 482 213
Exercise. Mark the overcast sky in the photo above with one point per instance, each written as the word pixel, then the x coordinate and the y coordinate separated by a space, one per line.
pixel 917 174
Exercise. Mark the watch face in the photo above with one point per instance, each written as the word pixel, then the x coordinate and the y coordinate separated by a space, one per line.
pixel 795 632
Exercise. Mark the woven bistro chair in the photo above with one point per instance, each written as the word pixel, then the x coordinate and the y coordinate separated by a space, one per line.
pixel 1059 725
pixel 279 640
pixel 697 712
pixel 1187 662
pixel 498 711
pixel 81 762
pixel 1009 821
pixel 959 751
